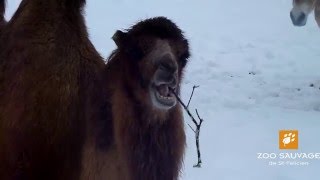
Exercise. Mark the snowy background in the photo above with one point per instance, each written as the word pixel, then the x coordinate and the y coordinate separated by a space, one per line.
pixel 255 72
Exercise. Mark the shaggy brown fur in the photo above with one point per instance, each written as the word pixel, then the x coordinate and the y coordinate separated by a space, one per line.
pixel 2 11
pixel 49 86
pixel 148 143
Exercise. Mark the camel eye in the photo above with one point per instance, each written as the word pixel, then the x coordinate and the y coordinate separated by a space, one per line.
pixel 184 54
pixel 184 59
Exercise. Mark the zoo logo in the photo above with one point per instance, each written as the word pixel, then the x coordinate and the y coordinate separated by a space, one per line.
pixel 288 139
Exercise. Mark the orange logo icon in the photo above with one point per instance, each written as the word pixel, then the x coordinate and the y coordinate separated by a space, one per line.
pixel 288 139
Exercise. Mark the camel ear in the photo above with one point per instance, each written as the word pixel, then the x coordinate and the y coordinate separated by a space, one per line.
pixel 317 12
pixel 119 38
pixel 127 44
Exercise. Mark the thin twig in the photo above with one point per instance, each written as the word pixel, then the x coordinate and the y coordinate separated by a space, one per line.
pixel 191 128
pixel 197 124
pixel 197 139
pixel 185 108
pixel 200 119
pixel 193 88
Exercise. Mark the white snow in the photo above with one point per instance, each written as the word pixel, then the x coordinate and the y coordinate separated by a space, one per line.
pixel 231 41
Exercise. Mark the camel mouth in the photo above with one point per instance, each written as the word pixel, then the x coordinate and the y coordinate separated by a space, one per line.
pixel 163 97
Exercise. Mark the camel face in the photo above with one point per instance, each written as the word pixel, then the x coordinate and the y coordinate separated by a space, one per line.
pixel 300 11
pixel 165 76
pixel 155 53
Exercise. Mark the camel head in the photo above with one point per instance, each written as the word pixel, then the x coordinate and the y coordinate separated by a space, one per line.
pixel 158 53
pixel 301 10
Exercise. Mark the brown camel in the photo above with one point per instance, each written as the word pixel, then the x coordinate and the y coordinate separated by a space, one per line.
pixel 148 129
pixel 49 87
pixel 302 8
pixel 52 101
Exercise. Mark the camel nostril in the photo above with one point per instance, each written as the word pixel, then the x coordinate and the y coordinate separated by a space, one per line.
pixel 167 64
pixel 301 17
pixel 173 82
pixel 169 79
pixel 170 68
pixel 298 20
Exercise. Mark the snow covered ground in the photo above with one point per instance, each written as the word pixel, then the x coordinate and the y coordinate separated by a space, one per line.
pixel 254 70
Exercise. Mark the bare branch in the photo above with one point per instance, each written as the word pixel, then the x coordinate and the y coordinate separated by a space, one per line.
pixel 193 88
pixel 191 128
pixel 200 119
pixel 197 124
pixel 185 107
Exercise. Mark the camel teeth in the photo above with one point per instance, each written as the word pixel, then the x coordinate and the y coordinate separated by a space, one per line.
pixel 165 97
